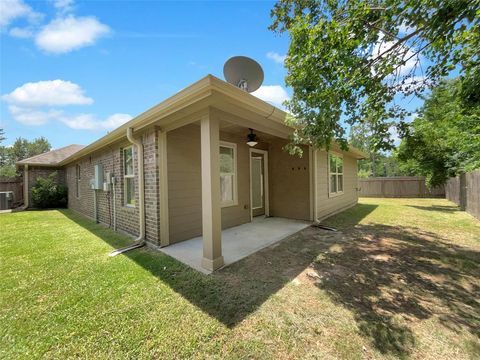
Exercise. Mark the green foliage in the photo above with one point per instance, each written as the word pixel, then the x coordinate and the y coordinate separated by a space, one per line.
pixel 8 171
pixel 47 193
pixel 378 163
pixel 444 140
pixel 21 149
pixel 348 59
pixel 363 173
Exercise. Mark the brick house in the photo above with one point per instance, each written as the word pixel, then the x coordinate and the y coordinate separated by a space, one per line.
pixel 183 169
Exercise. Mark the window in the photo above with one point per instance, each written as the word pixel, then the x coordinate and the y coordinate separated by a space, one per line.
pixel 77 180
pixel 128 178
pixel 335 174
pixel 228 174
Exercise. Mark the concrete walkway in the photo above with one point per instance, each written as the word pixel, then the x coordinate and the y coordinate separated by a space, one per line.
pixel 237 242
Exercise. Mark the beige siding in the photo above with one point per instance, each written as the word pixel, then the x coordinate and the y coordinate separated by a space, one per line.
pixel 185 186
pixel 327 205
pixel 289 182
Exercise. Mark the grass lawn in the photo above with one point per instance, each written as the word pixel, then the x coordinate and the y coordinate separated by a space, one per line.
pixel 402 279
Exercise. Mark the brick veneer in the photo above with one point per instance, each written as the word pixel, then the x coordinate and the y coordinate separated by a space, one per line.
pixel 127 218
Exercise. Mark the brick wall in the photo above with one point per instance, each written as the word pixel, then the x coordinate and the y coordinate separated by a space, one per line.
pixel 127 218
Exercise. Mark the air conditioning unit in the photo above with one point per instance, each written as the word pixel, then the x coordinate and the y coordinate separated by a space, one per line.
pixel 6 200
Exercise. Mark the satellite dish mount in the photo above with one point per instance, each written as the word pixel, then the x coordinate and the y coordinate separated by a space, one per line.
pixel 244 73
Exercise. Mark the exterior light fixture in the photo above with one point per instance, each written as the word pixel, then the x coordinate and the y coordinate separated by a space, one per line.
pixel 252 139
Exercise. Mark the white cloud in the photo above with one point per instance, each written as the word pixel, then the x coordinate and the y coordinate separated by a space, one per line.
pixel 63 35
pixel 280 59
pixel 274 94
pixel 37 117
pixel 90 122
pixel 37 104
pixel 22 33
pixel 33 117
pixel 11 10
pixel 63 6
pixel 48 93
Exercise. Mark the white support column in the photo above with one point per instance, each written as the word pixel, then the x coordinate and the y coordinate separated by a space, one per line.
pixel 211 211
pixel 311 170
pixel 163 179
pixel 315 183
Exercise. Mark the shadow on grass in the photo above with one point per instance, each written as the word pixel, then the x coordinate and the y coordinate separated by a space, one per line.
pixel 392 276
pixel 387 276
pixel 441 208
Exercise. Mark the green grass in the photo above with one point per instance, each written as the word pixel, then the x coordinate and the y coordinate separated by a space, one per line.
pixel 401 280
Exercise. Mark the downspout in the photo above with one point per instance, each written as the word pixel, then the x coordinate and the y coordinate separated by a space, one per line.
pixel 25 189
pixel 140 240
pixel 114 184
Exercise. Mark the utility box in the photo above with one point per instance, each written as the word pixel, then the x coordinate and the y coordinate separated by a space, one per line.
pixel 108 181
pixel 98 179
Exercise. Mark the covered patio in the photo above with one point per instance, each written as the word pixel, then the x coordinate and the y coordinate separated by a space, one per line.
pixel 237 242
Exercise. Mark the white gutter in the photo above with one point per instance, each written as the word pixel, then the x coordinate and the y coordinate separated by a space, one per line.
pixel 140 240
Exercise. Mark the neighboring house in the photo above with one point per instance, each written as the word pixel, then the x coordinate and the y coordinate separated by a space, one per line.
pixel 184 165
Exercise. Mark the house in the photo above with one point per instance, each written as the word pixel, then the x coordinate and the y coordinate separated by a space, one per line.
pixel 183 170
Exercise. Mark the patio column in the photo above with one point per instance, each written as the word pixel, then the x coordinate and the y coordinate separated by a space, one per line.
pixel 163 184
pixel 211 212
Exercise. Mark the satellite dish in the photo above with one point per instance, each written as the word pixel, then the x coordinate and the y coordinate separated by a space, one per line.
pixel 243 72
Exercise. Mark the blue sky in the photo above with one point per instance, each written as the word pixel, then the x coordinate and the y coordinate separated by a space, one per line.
pixel 71 71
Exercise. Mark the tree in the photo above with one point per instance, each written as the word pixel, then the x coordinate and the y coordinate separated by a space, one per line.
pixel 2 135
pixel 348 60
pixel 21 149
pixel 444 140
pixel 378 163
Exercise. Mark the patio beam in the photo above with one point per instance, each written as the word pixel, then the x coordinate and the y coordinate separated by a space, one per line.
pixel 211 211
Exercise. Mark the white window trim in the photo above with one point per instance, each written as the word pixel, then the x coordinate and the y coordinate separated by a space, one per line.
pixel 78 171
pixel 235 175
pixel 338 193
pixel 265 180
pixel 132 176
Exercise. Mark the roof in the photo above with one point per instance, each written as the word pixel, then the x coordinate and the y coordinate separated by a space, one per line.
pixel 53 157
pixel 211 92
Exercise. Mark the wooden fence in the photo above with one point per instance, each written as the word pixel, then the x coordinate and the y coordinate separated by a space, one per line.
pixel 14 184
pixel 464 190
pixel 398 187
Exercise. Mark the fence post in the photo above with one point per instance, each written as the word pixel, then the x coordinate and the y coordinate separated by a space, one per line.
pixel 463 191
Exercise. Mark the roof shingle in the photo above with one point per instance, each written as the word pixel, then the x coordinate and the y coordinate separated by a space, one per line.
pixel 53 157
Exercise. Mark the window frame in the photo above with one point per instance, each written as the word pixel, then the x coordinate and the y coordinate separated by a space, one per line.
pixel 128 176
pixel 234 202
pixel 78 177
pixel 336 173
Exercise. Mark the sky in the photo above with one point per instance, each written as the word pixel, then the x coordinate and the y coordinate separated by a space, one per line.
pixel 73 70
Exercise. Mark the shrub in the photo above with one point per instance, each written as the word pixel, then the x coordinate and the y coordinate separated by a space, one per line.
pixel 48 194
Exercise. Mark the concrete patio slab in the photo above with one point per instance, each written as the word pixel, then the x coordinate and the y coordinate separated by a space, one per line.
pixel 237 242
